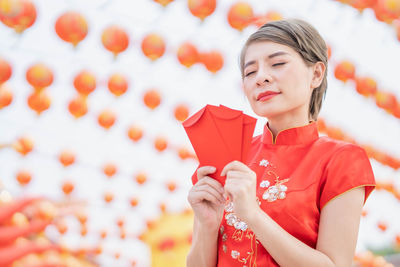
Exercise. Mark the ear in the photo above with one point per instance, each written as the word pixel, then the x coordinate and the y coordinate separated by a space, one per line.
pixel 318 74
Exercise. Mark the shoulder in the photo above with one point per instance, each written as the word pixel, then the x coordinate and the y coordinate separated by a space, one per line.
pixel 333 147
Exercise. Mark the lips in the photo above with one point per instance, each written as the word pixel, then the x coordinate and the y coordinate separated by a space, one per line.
pixel 266 93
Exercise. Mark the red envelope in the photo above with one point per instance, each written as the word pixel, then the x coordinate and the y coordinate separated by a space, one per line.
pixel 207 141
pixel 219 135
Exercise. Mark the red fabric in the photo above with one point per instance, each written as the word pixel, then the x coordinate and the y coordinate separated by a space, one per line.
pixel 317 168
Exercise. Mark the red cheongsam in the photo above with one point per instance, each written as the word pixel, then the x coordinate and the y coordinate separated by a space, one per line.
pixel 297 174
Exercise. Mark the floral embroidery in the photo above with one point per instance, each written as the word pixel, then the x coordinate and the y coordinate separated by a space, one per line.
pixel 264 162
pixel 277 191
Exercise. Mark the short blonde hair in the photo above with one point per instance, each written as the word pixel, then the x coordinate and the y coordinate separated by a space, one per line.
pixel 303 38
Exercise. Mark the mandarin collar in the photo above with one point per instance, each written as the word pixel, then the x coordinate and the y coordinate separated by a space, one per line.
pixel 291 136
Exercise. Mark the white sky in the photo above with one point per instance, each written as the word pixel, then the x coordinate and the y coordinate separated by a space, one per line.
pixel 371 45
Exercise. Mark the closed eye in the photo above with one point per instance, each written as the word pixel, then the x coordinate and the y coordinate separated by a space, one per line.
pixel 249 73
pixel 278 64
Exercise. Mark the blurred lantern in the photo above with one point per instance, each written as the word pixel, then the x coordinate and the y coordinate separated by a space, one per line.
pixel 396 25
pixel 184 153
pixel 62 227
pixel 171 186
pixel 77 106
pixel 135 133
pixel 181 112
pixel 362 4
pixel 120 222
pixel 117 255
pixel 122 233
pixel 82 217
pixel 164 3
pixel 187 54
pixel 46 210
pixel 269 16
pixel 17 14
pixel 23 145
pixel 240 15
pixel 152 98
pixel 110 170
pixel 71 27
pixel 382 226
pixel 39 76
pixel 6 96
pixel 117 84
pixel 39 101
pixel 153 46
pixel 391 7
pixel 85 82
pixel 24 177
pixel 108 197
pixel 103 234
pixel 213 61
pixel 141 178
pixel 66 158
pixel 163 207
pixel 202 8
pixel 106 119
pixel 134 201
pixel 160 143
pixel 83 230
pixel 115 39
pixel 5 70
pixel 366 86
pixel 385 100
pixel 344 71
pixel 67 187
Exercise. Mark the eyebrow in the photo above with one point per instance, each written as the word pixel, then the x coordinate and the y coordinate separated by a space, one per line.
pixel 279 53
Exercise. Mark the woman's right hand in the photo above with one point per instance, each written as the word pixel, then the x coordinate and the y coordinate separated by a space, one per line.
pixel 206 198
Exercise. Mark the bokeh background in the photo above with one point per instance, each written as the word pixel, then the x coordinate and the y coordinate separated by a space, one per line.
pixel 93 94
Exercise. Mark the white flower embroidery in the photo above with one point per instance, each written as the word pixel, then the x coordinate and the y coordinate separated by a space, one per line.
pixel 264 162
pixel 235 254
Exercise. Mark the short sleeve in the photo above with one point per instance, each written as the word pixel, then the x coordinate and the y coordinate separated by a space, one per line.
pixel 348 168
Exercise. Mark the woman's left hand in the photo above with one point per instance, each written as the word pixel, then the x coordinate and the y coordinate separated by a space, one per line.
pixel 240 187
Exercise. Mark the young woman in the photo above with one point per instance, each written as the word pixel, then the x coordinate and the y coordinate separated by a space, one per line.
pixel 297 200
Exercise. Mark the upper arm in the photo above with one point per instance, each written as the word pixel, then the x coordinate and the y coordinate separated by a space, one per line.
pixel 338 226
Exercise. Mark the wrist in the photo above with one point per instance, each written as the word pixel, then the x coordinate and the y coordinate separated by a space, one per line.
pixel 254 217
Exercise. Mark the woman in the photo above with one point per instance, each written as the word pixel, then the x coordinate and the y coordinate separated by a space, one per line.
pixel 297 200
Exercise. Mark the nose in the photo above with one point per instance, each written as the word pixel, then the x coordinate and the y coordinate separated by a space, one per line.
pixel 263 76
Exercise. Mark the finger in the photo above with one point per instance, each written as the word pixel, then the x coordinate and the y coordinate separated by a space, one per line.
pixel 203 171
pixel 236 174
pixel 211 190
pixel 198 196
pixel 234 165
pixel 211 182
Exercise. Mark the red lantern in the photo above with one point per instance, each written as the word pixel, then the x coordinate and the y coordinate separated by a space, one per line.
pixel 39 76
pixel 39 101
pixel 366 86
pixel 202 8
pixel 134 201
pixel 17 14
pixel 24 177
pixel 5 70
pixel 135 133
pixel 160 143
pixel 240 15
pixel 385 100
pixel 382 226
pixel 396 25
pixel 110 170
pixel 171 186
pixel 213 61
pixel 391 7
pixel 181 112
pixel 141 178
pixel 62 227
pixel 152 99
pixel 6 97
pixel 115 39
pixel 108 197
pixel 85 82
pixel 269 16
pixel 106 119
pixel 164 3
pixel 23 145
pixel 68 187
pixel 153 46
pixel 344 71
pixel 67 158
pixel 77 106
pixel 71 27
pixel 187 54
pixel 117 84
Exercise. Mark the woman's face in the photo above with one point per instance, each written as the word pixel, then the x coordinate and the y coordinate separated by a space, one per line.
pixel 278 68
